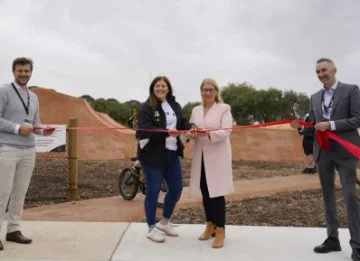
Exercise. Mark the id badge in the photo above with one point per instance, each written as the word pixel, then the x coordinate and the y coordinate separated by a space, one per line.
pixel 28 121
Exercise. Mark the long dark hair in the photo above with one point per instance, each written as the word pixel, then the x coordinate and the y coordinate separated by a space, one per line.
pixel 153 101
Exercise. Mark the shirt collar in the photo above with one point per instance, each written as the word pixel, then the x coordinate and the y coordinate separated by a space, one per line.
pixel 333 88
pixel 18 86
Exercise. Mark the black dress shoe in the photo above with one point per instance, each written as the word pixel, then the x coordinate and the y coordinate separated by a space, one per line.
pixel 355 254
pixel 305 171
pixel 329 245
pixel 1 246
pixel 312 170
pixel 17 237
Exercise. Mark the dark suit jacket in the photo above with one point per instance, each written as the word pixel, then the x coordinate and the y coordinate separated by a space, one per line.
pixel 345 113
pixel 308 140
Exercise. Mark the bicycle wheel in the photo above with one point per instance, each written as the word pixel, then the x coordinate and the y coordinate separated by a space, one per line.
pixel 161 199
pixel 162 194
pixel 128 184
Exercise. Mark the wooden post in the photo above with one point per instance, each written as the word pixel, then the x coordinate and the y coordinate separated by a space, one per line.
pixel 72 159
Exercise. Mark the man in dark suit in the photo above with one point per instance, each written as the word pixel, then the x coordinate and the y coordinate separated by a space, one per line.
pixel 308 144
pixel 336 107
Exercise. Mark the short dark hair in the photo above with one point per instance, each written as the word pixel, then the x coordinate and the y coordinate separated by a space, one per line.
pixel 153 101
pixel 22 61
pixel 327 60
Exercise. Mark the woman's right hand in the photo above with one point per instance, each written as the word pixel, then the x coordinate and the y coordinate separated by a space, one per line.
pixel 192 132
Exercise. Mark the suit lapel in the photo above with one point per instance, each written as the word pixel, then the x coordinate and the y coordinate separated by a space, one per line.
pixel 337 96
pixel 318 103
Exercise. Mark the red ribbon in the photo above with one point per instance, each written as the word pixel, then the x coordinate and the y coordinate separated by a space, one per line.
pixel 322 137
pixel 325 136
pixel 44 128
pixel 324 143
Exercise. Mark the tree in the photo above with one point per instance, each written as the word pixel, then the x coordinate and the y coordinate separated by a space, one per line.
pixel 241 98
pixel 133 103
pixel 289 99
pixel 88 98
pixel 187 109
pixel 249 105
pixel 99 105
pixel 266 106
pixel 112 100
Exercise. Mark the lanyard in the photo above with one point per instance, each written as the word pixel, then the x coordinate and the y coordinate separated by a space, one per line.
pixel 326 108
pixel 22 101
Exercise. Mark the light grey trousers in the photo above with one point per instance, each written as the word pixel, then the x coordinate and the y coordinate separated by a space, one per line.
pixel 16 168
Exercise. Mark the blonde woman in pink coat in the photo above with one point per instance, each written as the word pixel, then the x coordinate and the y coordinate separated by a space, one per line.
pixel 211 169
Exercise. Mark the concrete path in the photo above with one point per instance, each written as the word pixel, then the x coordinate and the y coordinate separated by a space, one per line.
pixel 60 234
pixel 242 243
pixel 100 241
pixel 65 241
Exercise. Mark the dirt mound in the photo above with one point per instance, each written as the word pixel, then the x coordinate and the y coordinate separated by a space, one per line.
pixel 267 145
pixel 263 144
pixel 57 108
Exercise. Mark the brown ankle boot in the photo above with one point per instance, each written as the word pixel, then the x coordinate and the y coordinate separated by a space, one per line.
pixel 209 231
pixel 219 239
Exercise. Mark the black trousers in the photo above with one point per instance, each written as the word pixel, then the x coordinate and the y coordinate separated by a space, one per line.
pixel 214 207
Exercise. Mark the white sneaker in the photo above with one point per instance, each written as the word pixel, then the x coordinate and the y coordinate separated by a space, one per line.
pixel 167 229
pixel 155 235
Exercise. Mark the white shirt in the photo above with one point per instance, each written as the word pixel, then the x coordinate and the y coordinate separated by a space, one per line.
pixel 328 95
pixel 17 126
pixel 328 100
pixel 171 120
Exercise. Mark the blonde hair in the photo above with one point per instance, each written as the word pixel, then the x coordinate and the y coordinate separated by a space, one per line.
pixel 213 83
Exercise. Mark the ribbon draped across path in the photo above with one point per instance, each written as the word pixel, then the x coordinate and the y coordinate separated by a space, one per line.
pixel 322 137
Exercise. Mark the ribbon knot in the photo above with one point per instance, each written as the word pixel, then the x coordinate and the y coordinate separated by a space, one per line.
pixel 324 143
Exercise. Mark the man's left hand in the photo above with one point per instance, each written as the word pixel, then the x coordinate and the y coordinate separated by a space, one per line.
pixel 322 126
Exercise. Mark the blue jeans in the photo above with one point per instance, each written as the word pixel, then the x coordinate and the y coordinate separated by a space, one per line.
pixel 154 175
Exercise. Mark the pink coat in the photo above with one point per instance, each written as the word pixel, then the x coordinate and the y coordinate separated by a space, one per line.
pixel 216 150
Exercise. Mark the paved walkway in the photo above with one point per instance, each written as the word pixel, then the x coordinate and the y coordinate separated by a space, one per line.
pixel 115 209
pixel 101 241
pixel 57 237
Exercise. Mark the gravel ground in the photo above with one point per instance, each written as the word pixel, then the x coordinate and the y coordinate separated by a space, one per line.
pixel 100 178
pixel 300 209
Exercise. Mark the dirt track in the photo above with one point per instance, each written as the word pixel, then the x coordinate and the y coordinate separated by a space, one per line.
pixel 263 144
pixel 57 108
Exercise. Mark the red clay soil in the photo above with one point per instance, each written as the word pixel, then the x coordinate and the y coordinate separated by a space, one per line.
pixel 57 108
pixel 263 144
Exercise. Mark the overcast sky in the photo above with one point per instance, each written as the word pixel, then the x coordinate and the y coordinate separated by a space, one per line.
pixel 110 48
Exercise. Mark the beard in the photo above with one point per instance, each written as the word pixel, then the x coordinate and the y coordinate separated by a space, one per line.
pixel 23 80
pixel 325 79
